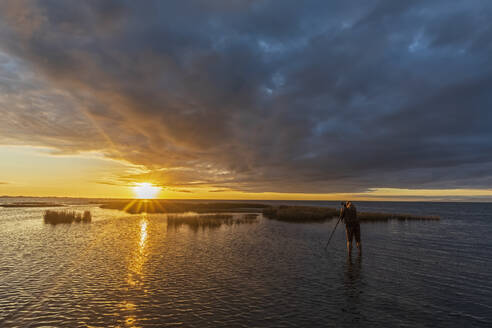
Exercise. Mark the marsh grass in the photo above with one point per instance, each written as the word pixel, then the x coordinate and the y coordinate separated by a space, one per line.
pixel 295 214
pixel 305 214
pixel 300 213
pixel 31 204
pixel 209 221
pixel 249 217
pixel 378 217
pixel 57 217
pixel 169 206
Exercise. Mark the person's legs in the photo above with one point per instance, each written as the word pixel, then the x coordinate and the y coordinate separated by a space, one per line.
pixel 350 236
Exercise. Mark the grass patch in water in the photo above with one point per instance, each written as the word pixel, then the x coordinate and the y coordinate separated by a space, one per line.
pixel 168 206
pixel 305 214
pixel 57 217
pixel 377 217
pixel 211 221
pixel 31 204
pixel 299 214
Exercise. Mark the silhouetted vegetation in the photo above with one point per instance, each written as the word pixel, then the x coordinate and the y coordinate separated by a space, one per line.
pixel 212 221
pixel 57 217
pixel 249 217
pixel 377 216
pixel 286 213
pixel 167 206
pixel 302 214
pixel 31 204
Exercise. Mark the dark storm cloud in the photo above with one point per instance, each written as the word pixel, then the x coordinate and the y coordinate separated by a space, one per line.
pixel 285 96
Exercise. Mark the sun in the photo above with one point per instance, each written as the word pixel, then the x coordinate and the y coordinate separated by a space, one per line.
pixel 145 190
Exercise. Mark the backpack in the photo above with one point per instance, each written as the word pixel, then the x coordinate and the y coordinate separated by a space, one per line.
pixel 351 215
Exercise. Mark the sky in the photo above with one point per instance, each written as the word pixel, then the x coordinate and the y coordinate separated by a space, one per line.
pixel 247 99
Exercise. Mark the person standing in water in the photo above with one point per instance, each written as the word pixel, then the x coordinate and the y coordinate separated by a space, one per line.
pixel 348 213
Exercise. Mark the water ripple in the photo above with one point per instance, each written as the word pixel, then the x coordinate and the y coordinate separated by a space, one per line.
pixel 133 271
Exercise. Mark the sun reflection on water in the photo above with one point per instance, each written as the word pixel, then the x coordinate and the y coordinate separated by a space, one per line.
pixel 136 272
pixel 135 267
pixel 143 234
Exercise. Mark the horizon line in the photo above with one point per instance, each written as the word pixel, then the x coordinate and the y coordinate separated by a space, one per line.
pixel 261 200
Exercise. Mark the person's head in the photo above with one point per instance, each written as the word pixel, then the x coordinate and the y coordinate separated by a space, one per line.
pixel 344 204
pixel 349 203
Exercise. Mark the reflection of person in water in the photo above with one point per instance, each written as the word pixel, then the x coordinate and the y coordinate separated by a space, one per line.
pixel 352 290
pixel 352 271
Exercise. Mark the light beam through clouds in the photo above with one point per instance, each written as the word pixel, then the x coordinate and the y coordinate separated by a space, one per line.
pixel 257 97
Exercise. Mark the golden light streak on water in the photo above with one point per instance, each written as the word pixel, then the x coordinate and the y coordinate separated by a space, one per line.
pixel 135 267
pixel 136 271
pixel 143 234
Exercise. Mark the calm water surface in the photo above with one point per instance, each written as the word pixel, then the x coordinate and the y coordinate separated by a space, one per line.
pixel 135 271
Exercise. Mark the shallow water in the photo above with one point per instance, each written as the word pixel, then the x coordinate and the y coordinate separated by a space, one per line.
pixel 134 271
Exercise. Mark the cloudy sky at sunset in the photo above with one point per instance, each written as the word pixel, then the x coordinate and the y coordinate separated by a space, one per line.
pixel 254 99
